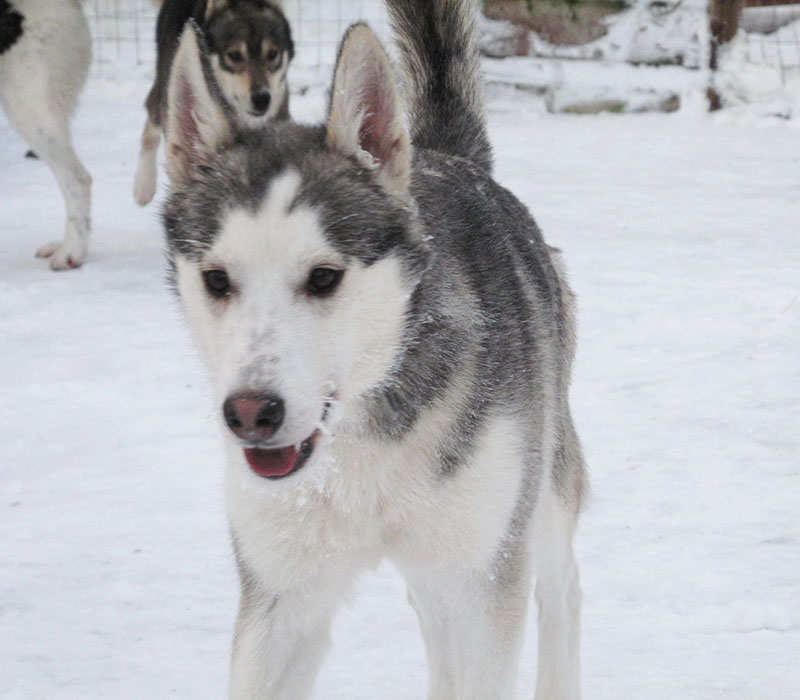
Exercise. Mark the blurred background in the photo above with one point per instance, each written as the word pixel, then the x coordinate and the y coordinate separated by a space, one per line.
pixel 578 55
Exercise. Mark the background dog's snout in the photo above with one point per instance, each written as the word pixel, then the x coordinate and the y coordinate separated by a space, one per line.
pixel 261 100
pixel 253 417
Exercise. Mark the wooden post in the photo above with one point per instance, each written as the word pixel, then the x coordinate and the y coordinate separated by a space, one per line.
pixel 724 22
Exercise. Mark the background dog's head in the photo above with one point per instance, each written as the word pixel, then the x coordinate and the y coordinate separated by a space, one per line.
pixel 296 251
pixel 250 47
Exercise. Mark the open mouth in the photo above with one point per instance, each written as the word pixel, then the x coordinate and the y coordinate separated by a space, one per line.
pixel 278 463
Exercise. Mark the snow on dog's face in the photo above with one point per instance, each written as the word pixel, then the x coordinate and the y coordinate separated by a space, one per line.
pixel 294 252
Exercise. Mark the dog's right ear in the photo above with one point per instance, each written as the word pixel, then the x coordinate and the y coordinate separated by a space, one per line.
pixel 366 118
pixel 196 122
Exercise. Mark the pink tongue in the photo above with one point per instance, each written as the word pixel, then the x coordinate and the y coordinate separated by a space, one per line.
pixel 271 462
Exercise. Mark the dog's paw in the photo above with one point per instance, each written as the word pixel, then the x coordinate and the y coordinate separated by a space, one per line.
pixel 144 187
pixel 62 255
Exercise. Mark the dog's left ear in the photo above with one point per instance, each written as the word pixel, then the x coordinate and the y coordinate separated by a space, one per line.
pixel 366 118
pixel 196 122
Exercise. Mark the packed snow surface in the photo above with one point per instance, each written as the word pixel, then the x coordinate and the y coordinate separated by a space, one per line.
pixel 682 237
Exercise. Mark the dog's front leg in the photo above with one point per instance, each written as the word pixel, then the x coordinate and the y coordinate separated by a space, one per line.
pixel 281 639
pixel 472 628
pixel 558 595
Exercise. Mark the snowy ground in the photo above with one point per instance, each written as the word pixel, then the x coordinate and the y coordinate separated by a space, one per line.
pixel 682 235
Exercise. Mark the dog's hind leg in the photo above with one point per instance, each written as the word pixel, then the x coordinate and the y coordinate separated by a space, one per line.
pixel 558 596
pixel 55 148
pixel 472 624
pixel 144 184
pixel 49 138
pixel 41 84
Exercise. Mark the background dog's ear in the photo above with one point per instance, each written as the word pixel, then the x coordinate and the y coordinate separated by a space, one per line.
pixel 366 118
pixel 196 122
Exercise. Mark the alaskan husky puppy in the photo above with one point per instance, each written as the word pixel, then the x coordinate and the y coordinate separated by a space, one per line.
pixel 45 51
pixel 249 46
pixel 389 340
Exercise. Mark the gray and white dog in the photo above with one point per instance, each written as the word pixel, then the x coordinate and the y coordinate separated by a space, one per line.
pixel 389 340
pixel 45 51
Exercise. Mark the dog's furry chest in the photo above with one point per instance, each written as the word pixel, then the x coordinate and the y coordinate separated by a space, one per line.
pixel 376 499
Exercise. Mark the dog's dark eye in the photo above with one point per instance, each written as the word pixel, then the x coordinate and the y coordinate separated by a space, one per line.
pixel 217 282
pixel 235 56
pixel 323 281
pixel 272 54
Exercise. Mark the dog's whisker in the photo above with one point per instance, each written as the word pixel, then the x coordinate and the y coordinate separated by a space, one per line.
pixel 342 219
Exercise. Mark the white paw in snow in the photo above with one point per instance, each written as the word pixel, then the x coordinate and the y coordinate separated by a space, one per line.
pixel 63 256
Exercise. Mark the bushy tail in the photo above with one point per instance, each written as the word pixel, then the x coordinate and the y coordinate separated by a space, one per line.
pixel 437 41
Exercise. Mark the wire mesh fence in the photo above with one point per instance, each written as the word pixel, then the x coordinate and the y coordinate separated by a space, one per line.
pixel 317 26
pixel 124 30
pixel 773 34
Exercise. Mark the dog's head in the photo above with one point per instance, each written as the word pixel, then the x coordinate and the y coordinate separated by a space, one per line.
pixel 295 252
pixel 250 47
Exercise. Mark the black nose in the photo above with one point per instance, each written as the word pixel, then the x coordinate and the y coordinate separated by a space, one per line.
pixel 253 417
pixel 261 100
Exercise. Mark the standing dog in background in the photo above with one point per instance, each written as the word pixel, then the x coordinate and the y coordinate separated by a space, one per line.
pixel 390 343
pixel 45 51
pixel 250 47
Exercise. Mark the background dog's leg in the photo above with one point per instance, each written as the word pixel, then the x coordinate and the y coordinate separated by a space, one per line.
pixel 559 598
pixel 56 150
pixel 144 185
pixel 42 80
pixel 281 640
pixel 472 625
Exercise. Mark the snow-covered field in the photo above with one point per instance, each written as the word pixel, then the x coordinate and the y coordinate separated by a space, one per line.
pixel 682 235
